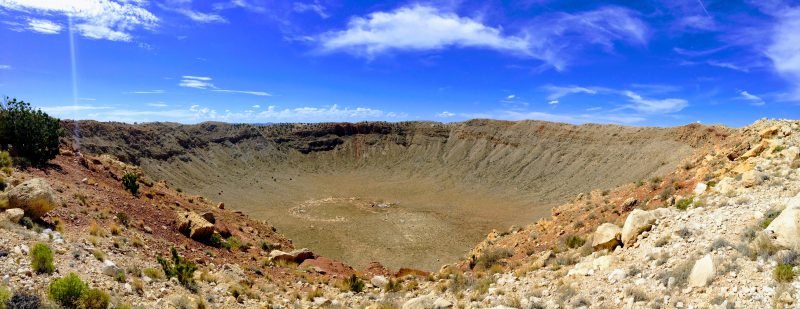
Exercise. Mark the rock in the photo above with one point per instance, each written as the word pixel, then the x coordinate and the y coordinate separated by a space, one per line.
pixel 629 203
pixel 753 178
pixel 607 236
pixel 604 262
pixel 725 186
pixel 35 197
pixel 221 205
pixel 769 132
pixel 379 281
pixel 637 222
pixel 442 303
pixel 195 226
pixel 296 256
pixel 754 151
pixel 13 214
pixel 702 272
pixel 785 228
pixel 209 216
pixel 109 268
pixel 700 188
pixel 421 302
pixel 617 275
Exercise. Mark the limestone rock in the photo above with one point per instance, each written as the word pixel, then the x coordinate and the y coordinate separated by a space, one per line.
pixel 296 256
pixel 421 302
pixel 35 197
pixel 702 272
pixel 379 281
pixel 13 215
pixel 629 203
pixel 209 216
pixel 193 225
pixel 753 178
pixel 607 236
pixel 442 303
pixel 700 188
pixel 109 268
pixel 785 229
pixel 637 222
pixel 769 132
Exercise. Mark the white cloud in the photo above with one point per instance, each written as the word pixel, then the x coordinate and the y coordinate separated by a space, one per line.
pixel 64 109
pixel 5 67
pixel 315 7
pixel 753 99
pixel 727 65
pixel 145 92
pixel 256 93
pixel 97 19
pixel 784 50
pixel 256 106
pixel 511 97
pixel 558 92
pixel 445 114
pixel 157 104
pixel 199 82
pixel 580 118
pixel 654 106
pixel 244 4
pixel 200 16
pixel 553 102
pixel 43 26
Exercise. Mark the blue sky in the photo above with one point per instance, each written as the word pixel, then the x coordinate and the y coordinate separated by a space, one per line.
pixel 660 63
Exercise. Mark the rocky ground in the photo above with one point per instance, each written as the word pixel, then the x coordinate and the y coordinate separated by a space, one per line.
pixel 720 231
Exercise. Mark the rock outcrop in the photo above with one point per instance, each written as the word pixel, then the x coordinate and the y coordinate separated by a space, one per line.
pixel 637 222
pixel 785 228
pixel 607 236
pixel 195 226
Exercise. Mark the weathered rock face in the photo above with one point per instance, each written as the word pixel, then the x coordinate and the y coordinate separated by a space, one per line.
pixel 637 222
pixel 194 225
pixel 607 236
pixel 753 178
pixel 702 272
pixel 785 229
pixel 35 197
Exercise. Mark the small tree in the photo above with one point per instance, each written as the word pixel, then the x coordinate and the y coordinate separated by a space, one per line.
pixel 68 290
pixel 42 259
pixel 179 268
pixel 131 183
pixel 31 133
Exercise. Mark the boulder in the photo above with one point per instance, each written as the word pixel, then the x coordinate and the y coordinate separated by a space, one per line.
pixel 14 215
pixel 209 216
pixel 604 262
pixel 296 256
pixel 725 186
pixel 755 151
pixel 769 132
pixel 629 203
pixel 35 197
pixel 379 281
pixel 753 178
pixel 195 226
pixel 702 272
pixel 700 188
pixel 637 222
pixel 442 303
pixel 110 269
pixel 607 236
pixel 221 205
pixel 421 302
pixel 785 228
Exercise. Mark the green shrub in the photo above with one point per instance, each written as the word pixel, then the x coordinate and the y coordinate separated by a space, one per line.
pixel 5 295
pixel 68 290
pixel 574 242
pixel 32 134
pixel 94 299
pixel 131 183
pixel 42 259
pixel 491 257
pixel 24 301
pixel 233 244
pixel 179 268
pixel 353 284
pixel 684 203
pixel 123 219
pixel 215 240
pixel 768 217
pixel 784 273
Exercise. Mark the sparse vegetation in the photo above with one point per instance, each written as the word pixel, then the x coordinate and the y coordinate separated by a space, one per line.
pixel 68 290
pixel 492 257
pixel 680 272
pixel 131 183
pixel 783 273
pixel 42 259
pixel 353 284
pixel 573 242
pixel 768 217
pixel 684 203
pixel 179 268
pixel 31 133
pixel 24 300
pixel 5 295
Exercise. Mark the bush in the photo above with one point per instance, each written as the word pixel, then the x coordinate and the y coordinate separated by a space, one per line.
pixel 32 134
pixel 574 242
pixel 26 222
pixel 684 203
pixel 42 259
pixel 24 301
pixel 768 217
pixel 784 273
pixel 123 219
pixel 94 299
pixel 5 295
pixel 215 240
pixel 68 290
pixel 179 268
pixel 492 257
pixel 353 284
pixel 131 183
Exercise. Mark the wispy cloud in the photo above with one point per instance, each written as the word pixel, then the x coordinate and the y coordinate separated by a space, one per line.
pixel 43 26
pixel 157 104
pixel 5 67
pixel 315 7
pixel 753 99
pixel 558 92
pixel 547 38
pixel 635 101
pixel 96 19
pixel 71 108
pixel 184 7
pixel 727 65
pixel 445 114
pixel 784 48
pixel 256 93
pixel 145 92
pixel 654 106
pixel 199 82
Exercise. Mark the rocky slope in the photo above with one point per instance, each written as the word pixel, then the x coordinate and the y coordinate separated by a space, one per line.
pixel 448 183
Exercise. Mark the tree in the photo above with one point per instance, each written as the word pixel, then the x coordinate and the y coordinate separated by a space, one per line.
pixel 32 134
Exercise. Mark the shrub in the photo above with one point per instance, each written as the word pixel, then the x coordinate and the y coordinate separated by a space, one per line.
pixel 5 295
pixel 24 301
pixel 94 299
pixel 32 134
pixel 233 244
pixel 131 183
pixel 684 203
pixel 123 219
pixel 68 290
pixel 353 284
pixel 215 240
pixel 153 273
pixel 42 259
pixel 492 257
pixel 26 222
pixel 783 273
pixel 574 242
pixel 768 217
pixel 179 268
